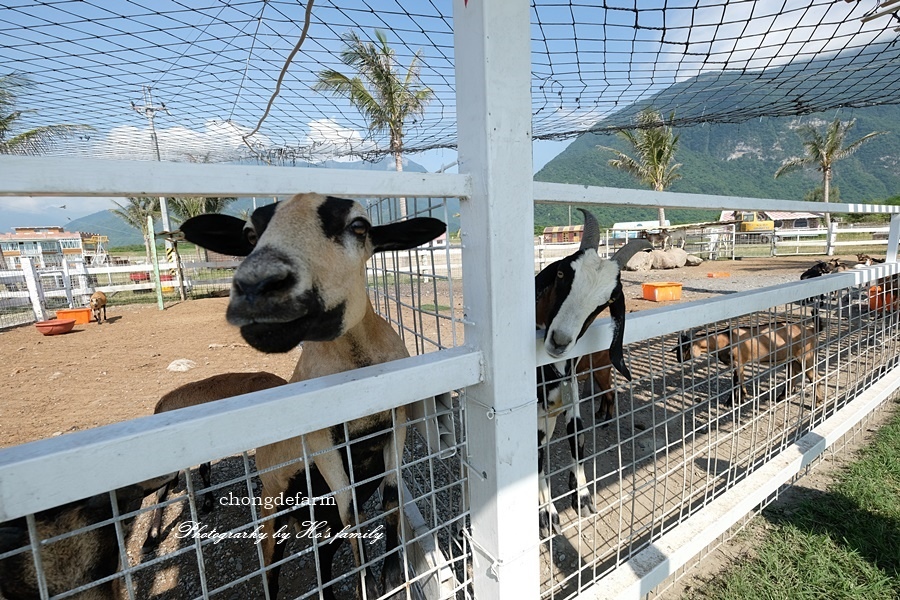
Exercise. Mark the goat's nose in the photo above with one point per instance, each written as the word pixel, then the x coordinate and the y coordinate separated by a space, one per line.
pixel 252 288
pixel 559 342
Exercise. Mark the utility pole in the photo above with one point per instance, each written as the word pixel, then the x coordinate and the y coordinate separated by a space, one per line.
pixel 149 110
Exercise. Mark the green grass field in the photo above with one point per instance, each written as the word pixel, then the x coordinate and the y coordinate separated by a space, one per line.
pixel 843 543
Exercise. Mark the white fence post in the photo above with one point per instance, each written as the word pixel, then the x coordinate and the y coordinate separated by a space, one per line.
pixel 493 95
pixel 831 238
pixel 67 283
pixel 893 239
pixel 35 289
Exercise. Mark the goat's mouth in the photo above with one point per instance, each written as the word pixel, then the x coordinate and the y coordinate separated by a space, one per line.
pixel 272 333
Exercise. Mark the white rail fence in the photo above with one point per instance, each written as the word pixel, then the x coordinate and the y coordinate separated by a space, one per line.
pixel 668 472
pixel 680 447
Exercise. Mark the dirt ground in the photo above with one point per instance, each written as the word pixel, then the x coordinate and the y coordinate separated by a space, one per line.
pixel 101 374
pixel 117 370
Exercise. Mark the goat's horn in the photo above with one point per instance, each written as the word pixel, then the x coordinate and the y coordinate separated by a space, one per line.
pixel 630 249
pixel 591 236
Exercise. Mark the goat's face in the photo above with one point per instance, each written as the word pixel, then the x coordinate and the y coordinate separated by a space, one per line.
pixel 689 348
pixel 580 286
pixel 571 292
pixel 304 277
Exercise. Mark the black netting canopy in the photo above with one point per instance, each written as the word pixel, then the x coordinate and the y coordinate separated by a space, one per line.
pixel 204 71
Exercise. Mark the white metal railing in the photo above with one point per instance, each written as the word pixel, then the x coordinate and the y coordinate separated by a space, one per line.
pixel 44 474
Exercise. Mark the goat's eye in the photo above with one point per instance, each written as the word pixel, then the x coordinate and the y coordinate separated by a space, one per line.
pixel 359 227
pixel 252 238
pixel 560 274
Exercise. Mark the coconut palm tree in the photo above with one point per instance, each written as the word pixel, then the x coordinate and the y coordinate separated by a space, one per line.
pixel 31 141
pixel 655 144
pixel 135 213
pixel 385 97
pixel 823 150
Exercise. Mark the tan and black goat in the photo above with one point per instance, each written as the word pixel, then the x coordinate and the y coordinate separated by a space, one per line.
pixel 771 344
pixel 304 280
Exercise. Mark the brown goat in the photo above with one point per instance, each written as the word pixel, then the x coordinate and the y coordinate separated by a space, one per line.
pixel 595 370
pixel 771 344
pixel 217 387
pixel 73 561
pixel 98 303
pixel 661 237
pixel 867 260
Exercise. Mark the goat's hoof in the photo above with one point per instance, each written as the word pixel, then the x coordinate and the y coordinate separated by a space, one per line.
pixel 583 504
pixel 549 521
pixel 392 576
pixel 207 505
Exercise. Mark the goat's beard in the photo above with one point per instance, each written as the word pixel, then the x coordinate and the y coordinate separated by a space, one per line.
pixel 273 338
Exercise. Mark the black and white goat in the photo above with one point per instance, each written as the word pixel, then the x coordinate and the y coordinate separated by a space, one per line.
pixel 304 280
pixel 569 295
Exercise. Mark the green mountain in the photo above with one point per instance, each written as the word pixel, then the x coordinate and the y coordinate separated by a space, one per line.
pixel 740 158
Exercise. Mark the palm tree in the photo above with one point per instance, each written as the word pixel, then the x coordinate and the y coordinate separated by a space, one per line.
pixel 31 141
pixel 823 150
pixel 386 98
pixel 655 144
pixel 135 213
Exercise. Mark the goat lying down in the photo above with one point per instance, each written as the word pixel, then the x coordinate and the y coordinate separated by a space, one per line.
pixel 304 280
pixel 569 295
pixel 771 344
pixel 73 561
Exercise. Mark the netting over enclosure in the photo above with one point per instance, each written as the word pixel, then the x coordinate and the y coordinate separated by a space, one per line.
pixel 206 71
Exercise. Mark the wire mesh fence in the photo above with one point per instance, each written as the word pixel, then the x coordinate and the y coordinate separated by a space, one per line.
pixel 682 433
pixel 203 75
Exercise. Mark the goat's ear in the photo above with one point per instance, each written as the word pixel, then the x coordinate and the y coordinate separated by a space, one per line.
pixel 617 313
pixel 544 280
pixel 220 233
pixel 404 235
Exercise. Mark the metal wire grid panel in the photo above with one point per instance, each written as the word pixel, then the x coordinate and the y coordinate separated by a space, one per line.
pixel 206 72
pixel 662 447
pixel 212 531
pixel 214 550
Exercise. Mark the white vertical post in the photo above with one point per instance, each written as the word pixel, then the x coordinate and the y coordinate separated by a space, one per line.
pixel 893 239
pixel 493 98
pixel 35 289
pixel 67 283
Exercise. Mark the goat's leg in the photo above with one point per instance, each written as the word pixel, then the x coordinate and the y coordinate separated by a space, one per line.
pixel 269 545
pixel 582 501
pixel 548 517
pixel 331 467
pixel 157 516
pixel 392 576
pixel 208 498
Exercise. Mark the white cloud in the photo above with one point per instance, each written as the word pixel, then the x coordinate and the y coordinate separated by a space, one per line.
pixel 328 140
pixel 218 140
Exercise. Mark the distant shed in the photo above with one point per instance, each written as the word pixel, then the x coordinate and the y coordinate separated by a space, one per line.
pixel 564 234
